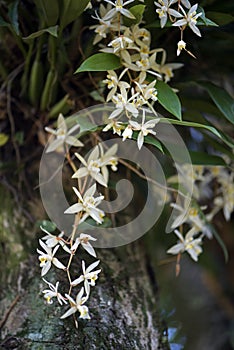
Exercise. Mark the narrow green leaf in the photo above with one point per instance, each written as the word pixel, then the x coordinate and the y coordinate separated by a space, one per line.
pixel 203 20
pixel 19 137
pixel 85 124
pixel 220 17
pixel 49 11
pixel 71 10
pixel 206 22
pixel 150 140
pixel 137 11
pixel 46 225
pixel 51 30
pixel 3 139
pixel 168 99
pixel 83 120
pixel 221 98
pixel 100 62
pixel 200 158
pixel 220 147
pixel 13 15
pixel 220 241
pixel 89 224
pixel 199 106
pixel 227 139
pixel 212 129
pixel 96 96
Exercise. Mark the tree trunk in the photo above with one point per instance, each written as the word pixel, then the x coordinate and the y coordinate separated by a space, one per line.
pixel 123 305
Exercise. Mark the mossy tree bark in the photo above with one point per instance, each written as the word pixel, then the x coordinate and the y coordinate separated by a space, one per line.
pixel 123 305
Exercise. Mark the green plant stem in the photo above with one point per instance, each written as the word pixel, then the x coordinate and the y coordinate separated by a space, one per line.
pixel 19 42
pixel 52 51
pixel 24 79
pixel 76 223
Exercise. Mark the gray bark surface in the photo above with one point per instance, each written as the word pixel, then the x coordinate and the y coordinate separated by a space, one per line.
pixel 123 306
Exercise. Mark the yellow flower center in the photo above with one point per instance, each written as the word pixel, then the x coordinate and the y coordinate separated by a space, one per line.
pixel 48 300
pixel 144 50
pixel 193 212
pixel 83 312
pixel 215 170
pixel 42 260
pixel 93 278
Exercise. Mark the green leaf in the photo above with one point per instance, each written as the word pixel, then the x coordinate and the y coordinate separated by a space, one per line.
pixel 100 62
pixel 221 98
pixel 206 22
pixel 71 10
pixel 220 17
pixel 203 20
pixel 84 122
pixel 150 140
pixel 220 147
pixel 168 99
pixel 51 30
pixel 19 137
pixel 198 106
pixel 200 158
pixel 227 139
pixel 49 11
pixel 212 129
pixel 137 11
pixel 96 96
pixel 46 225
pixel 89 224
pixel 3 139
pixel 220 241
pixel 13 15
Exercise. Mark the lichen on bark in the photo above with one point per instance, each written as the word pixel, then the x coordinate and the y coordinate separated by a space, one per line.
pixel 123 307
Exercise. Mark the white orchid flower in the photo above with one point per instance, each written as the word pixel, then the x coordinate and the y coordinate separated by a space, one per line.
pixel 52 240
pixel 89 277
pixel 87 204
pixel 119 8
pixel 53 292
pixel 92 167
pixel 164 9
pixel 189 19
pixel 84 241
pixel 77 305
pixel 144 128
pixel 62 135
pixel 189 244
pixel 47 258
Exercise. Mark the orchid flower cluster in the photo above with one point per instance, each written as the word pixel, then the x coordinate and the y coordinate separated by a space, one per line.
pixel 134 95
pixel 183 15
pixel 87 206
pixel 210 183
pixel 131 91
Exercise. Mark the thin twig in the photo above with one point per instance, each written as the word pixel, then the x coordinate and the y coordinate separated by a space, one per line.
pixel 7 314
pixel 127 165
